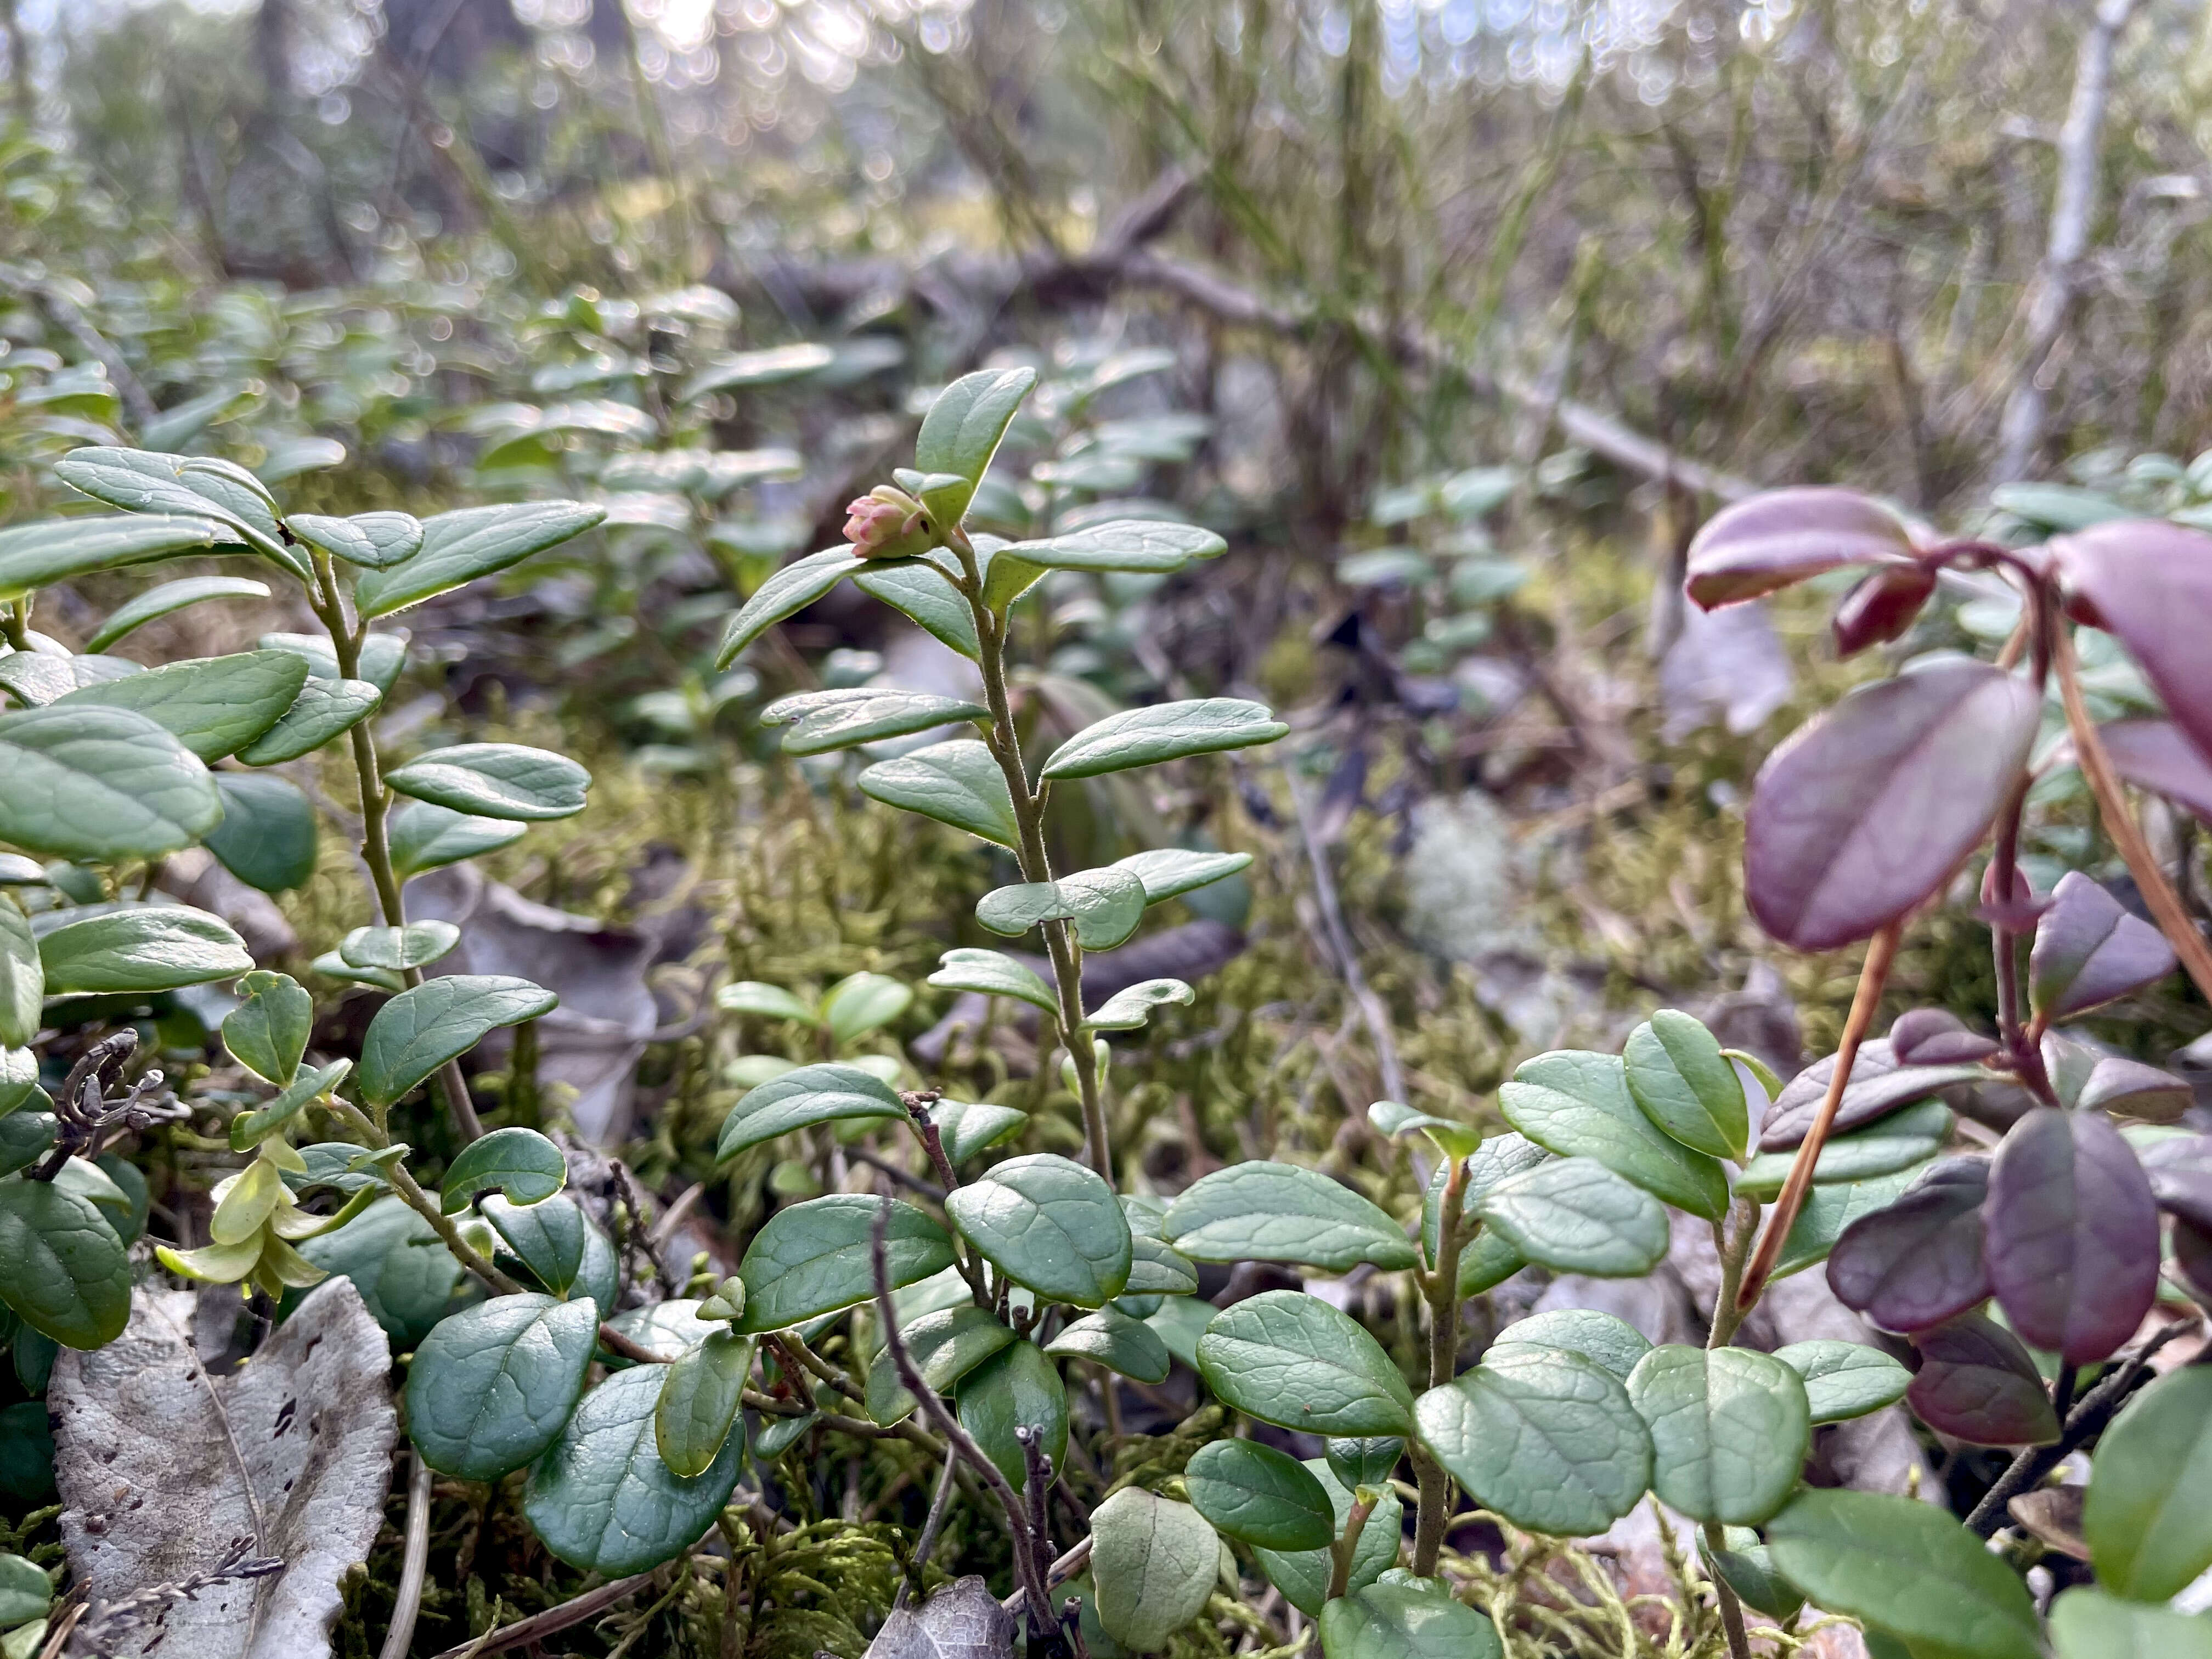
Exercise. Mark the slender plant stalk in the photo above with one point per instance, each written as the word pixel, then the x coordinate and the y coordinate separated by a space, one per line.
pixel 1442 1286
pixel 399 1635
pixel 1728 1319
pixel 1345 1548
pixel 1874 974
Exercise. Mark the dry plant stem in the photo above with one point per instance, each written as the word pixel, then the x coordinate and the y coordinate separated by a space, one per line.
pixel 1006 745
pixel 1442 1285
pixel 1064 1567
pixel 540 1625
pixel 1372 1013
pixel 2096 765
pixel 399 1635
pixel 1874 974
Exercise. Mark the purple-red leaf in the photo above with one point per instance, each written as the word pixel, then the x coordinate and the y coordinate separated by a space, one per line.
pixel 1865 812
pixel 1881 607
pixel 1918 1262
pixel 2192 1255
pixel 2180 1172
pixel 2128 1088
pixel 2073 1234
pixel 2089 950
pixel 1786 536
pixel 1936 1036
pixel 1879 1086
pixel 1976 1383
pixel 2154 754
pixel 2150 583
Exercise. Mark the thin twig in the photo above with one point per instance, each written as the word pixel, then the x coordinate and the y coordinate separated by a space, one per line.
pixel 1372 1013
pixel 539 1625
pixel 1064 1567
pixel 399 1635
pixel 926 1545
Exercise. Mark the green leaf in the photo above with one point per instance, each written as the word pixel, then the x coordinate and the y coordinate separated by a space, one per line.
pixel 993 973
pixel 752 996
pixel 1158 1269
pixel 268 836
pixel 62 1269
pixel 1612 1343
pixel 813 1258
pixel 787 590
pixel 36 679
pixel 521 1163
pixel 25 1595
pixel 1112 1339
pixel 1843 1380
pixel 25 1137
pixel 803 1096
pixel 1729 1428
pixel 1364 1459
pixel 1291 1359
pixel 699 1402
pixel 548 1237
pixel 215 706
pixel 2148 1526
pixel 100 785
pixel 1017 1387
pixel 600 1498
pixel 1104 904
pixel 1302 1574
pixel 1489 1260
pixel 378 662
pixel 1164 731
pixel 822 720
pixel 955 783
pixel 495 781
pixel 147 481
pixel 944 1344
pixel 1396 1119
pixel 1146 545
pixel 158 602
pixel 1901 1141
pixel 1575 1215
pixel 1828 1211
pixel 859 1003
pixel 334 966
pixel 493 1386
pixel 424 837
pixel 459 547
pixel 1748 1565
pixel 962 431
pixel 1544 1437
pixel 441 1019
pixel 1678 1074
pixel 920 590
pixel 1049 1225
pixel 141 947
pixel 728 370
pixel 1132 1006
pixel 1259 1495
pixel 18 1078
pixel 1153 1565
pixel 374 541
pixel 2086 1622
pixel 1265 1211
pixel 1170 871
pixel 23 978
pixel 35 555
pixel 1577 1104
pixel 966 1129
pixel 1398 1621
pixel 668 1330
pixel 323 709
pixel 417 945
pixel 1906 1569
pixel 405 1275
pixel 249 1129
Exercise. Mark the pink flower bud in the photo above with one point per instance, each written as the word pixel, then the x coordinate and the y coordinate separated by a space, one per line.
pixel 887 523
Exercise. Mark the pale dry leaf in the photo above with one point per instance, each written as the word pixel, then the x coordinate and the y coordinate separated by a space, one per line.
pixel 964 1621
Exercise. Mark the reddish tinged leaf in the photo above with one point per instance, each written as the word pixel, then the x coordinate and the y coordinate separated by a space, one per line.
pixel 1918 1262
pixel 2180 1174
pixel 2089 950
pixel 1786 536
pixel 1936 1036
pixel 2149 582
pixel 2192 1255
pixel 2128 1088
pixel 1879 1086
pixel 1864 813
pixel 2154 754
pixel 2073 1234
pixel 1881 607
pixel 1976 1383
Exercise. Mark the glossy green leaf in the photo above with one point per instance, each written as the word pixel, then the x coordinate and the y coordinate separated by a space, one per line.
pixel 62 1269
pixel 417 945
pixel 962 431
pixel 268 836
pixel 548 1237
pixel 752 996
pixel 1488 1260
pixel 1829 1210
pixel 600 1498
pixel 1151 546
pixel 1016 1388
pixel 993 973
pixel 143 947
pixel 495 781
pixel 35 555
pixel 787 590
pixel 165 600
pixel 405 1275
pixel 1397 1120
pixel 1303 1576
pixel 1577 1104
pixel 1544 1437
pixel 1105 905
pixel 2086 1622
pixel 378 662
pixel 323 709
pixel 1291 1359
pixel 24 1593
pixel 1901 1140
pixel 699 1402
pixel 823 721
pixel 23 978
pixel 374 541
pixel 1121 1344
pixel 424 836
pixel 1685 1085
pixel 1612 1343
pixel 955 783
pixel 1164 731
pixel 523 1164
pixel 36 679
pixel 1907 1569
pixel 1368 1460
pixel 668 1330
pixel 918 589
pixel 803 1096
pixel 1843 1380
pixel 148 481
pixel 2148 1526
pixel 332 965
pixel 813 1258
pixel 1153 1565
pixel 1729 1428
pixel 1268 1212
pixel 1131 1007
pixel 1401 1621
pixel 966 1127
pixel 459 547
pixel 859 1003
pixel 1748 1567
pixel 1048 1224
pixel 945 1345
pixel 1157 1268
pixel 441 1019
pixel 1259 1495
pixel 492 1387
pixel 249 1129
pixel 101 784
pixel 25 1138
pixel 1171 871
pixel 19 1077
pixel 215 706
pixel 1575 1215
